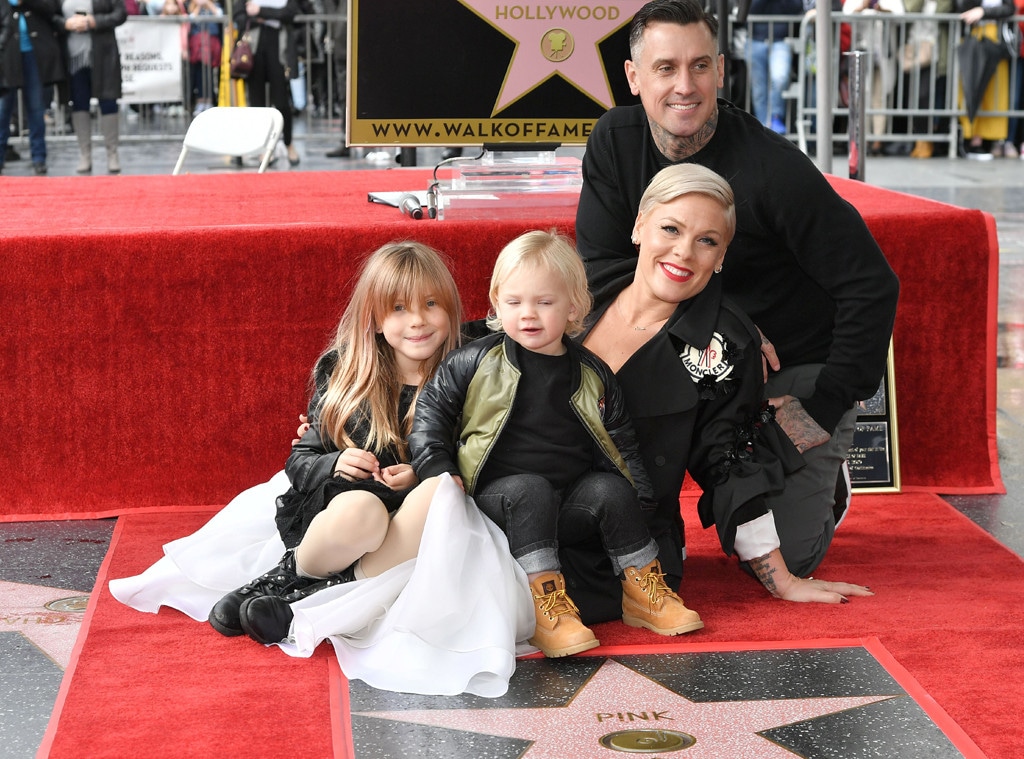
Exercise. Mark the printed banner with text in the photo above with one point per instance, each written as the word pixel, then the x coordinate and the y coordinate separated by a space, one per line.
pixel 151 56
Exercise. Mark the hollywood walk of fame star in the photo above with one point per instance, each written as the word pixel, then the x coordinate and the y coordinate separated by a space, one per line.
pixel 555 38
pixel 617 698
pixel 51 627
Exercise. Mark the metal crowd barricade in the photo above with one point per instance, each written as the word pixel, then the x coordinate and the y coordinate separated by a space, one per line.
pixel 318 93
pixel 921 109
pixel 901 106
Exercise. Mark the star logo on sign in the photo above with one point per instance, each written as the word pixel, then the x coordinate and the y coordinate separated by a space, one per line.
pixel 620 710
pixel 555 39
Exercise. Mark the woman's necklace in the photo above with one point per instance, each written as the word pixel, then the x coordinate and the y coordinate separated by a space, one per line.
pixel 636 327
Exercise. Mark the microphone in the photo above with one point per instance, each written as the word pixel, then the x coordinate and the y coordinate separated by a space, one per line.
pixel 410 206
pixel 432 201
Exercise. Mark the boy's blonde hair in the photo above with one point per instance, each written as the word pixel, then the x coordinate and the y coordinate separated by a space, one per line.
pixel 555 253
pixel 690 179
pixel 366 380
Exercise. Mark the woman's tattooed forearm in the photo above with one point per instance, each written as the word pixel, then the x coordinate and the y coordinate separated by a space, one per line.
pixel 765 572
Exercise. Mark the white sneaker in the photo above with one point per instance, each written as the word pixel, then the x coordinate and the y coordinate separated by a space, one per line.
pixel 980 157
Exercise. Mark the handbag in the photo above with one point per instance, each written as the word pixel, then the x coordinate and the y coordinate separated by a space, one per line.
pixel 241 56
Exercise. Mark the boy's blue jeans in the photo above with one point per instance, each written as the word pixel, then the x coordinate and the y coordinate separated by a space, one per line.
pixel 535 516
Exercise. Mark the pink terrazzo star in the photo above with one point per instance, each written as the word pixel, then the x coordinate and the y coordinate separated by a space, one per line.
pixel 52 629
pixel 616 698
pixel 546 31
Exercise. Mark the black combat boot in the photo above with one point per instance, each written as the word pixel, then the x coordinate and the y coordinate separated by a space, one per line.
pixel 268 618
pixel 281 580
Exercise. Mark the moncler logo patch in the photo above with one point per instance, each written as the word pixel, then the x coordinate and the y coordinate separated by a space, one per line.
pixel 709 362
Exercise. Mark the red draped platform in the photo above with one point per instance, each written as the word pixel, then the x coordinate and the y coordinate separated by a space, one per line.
pixel 157 332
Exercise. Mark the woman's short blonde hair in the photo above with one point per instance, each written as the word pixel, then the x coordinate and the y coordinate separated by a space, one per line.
pixel 690 179
pixel 557 254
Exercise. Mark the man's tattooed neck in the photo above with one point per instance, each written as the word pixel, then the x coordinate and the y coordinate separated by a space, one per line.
pixel 679 148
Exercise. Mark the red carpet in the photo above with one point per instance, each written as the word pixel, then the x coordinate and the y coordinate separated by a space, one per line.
pixel 947 608
pixel 162 685
pixel 163 328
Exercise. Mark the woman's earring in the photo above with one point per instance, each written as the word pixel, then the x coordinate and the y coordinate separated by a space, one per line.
pixel 718 269
pixel 636 244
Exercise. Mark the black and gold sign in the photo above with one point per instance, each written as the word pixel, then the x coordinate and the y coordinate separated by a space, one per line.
pixel 874 458
pixel 470 72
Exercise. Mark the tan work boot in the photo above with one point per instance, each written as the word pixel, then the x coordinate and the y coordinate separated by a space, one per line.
pixel 559 631
pixel 648 602
pixel 921 149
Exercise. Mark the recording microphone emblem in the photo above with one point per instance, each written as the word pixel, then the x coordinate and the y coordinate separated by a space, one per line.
pixel 410 206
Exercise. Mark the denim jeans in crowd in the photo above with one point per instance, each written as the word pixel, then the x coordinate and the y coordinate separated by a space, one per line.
pixel 770 67
pixel 80 85
pixel 533 514
pixel 35 108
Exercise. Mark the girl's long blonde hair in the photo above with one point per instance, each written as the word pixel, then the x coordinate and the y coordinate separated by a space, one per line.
pixel 365 384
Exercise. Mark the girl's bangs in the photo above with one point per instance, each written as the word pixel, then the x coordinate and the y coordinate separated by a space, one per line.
pixel 413 284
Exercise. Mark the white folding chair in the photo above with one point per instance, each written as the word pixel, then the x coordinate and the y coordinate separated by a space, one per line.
pixel 233 132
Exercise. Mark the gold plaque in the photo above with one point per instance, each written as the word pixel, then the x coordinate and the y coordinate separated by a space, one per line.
pixel 75 604
pixel 647 741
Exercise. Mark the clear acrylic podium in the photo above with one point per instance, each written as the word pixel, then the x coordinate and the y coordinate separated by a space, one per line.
pixel 510 184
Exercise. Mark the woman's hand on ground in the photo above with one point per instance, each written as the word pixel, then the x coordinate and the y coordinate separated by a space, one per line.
pixel 821 591
pixel 773 573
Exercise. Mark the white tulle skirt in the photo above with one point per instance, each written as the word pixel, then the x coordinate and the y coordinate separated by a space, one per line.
pixel 444 623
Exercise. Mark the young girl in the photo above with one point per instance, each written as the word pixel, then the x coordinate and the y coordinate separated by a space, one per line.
pixel 544 440
pixel 347 471
pixel 354 511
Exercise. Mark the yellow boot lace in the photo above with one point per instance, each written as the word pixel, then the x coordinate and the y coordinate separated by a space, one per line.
pixel 653 584
pixel 556 603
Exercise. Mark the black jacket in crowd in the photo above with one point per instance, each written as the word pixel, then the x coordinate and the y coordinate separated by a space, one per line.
pixel 45 22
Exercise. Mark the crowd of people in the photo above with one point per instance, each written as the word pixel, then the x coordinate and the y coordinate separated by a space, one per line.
pixel 700 324
pixel 66 52
pixel 68 48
